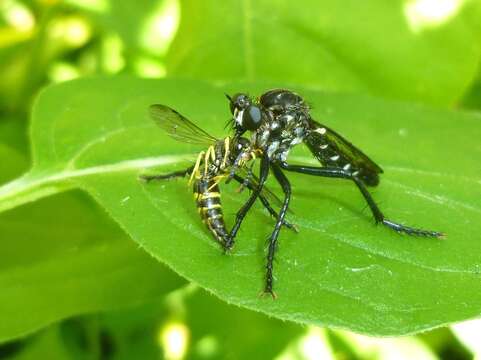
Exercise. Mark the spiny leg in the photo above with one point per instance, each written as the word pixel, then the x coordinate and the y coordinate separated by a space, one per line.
pixel 378 215
pixel 247 179
pixel 265 202
pixel 263 173
pixel 174 174
pixel 286 188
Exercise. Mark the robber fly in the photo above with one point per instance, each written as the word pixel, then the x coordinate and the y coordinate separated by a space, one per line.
pixel 280 119
pixel 211 167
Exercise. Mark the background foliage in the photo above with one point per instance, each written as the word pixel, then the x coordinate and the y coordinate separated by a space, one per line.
pixel 74 285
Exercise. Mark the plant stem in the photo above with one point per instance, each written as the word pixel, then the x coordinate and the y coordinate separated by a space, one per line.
pixel 35 185
pixel 27 189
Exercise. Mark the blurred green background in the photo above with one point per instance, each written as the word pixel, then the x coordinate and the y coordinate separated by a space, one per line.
pixel 422 51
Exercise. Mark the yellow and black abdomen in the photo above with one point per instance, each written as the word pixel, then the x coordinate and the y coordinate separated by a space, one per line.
pixel 207 196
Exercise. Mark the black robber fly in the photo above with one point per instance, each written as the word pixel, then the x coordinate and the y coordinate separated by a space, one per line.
pixel 280 119
pixel 213 164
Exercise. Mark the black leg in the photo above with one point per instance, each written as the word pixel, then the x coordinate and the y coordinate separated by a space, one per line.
pixel 264 172
pixel 174 174
pixel 318 171
pixel 286 187
pixel 247 179
pixel 378 215
pixel 264 201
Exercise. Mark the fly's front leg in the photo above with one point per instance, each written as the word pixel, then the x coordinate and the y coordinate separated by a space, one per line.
pixel 174 174
pixel 286 188
pixel 264 172
pixel 376 212
pixel 265 202
pixel 247 179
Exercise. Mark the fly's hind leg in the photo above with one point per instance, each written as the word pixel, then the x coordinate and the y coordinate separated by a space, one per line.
pixel 172 175
pixel 376 212
pixel 380 218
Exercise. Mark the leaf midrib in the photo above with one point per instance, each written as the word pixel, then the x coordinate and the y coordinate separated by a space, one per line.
pixel 35 185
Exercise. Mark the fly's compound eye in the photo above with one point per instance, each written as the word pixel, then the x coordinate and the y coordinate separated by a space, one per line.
pixel 252 118
pixel 239 102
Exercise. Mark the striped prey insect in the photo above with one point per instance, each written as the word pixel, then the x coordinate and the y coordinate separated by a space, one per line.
pixel 211 167
pixel 280 119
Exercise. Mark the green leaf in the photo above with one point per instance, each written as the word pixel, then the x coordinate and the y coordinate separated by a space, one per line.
pixel 126 19
pixel 62 256
pixel 45 345
pixel 472 98
pixel 340 270
pixel 12 137
pixel 14 162
pixel 225 331
pixel 231 330
pixel 386 48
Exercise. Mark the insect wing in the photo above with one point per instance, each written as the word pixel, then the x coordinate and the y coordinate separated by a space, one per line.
pixel 326 144
pixel 353 153
pixel 178 126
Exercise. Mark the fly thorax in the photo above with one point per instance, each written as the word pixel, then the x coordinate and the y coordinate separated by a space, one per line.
pixel 291 131
pixel 275 128
pixel 299 135
pixel 282 156
pixel 261 137
pixel 286 120
pixel 273 148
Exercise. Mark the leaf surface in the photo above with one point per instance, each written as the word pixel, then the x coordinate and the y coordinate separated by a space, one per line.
pixel 398 49
pixel 62 256
pixel 340 270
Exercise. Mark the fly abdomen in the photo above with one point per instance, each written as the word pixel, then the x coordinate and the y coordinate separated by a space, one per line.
pixel 207 196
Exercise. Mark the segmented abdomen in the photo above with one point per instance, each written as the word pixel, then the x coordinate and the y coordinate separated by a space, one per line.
pixel 207 197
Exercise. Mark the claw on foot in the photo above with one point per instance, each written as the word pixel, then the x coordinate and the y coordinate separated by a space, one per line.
pixel 295 228
pixel 227 246
pixel 267 292
pixel 240 189
pixel 399 228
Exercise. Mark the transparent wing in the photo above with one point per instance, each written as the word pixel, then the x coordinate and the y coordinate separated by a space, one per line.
pixel 178 126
